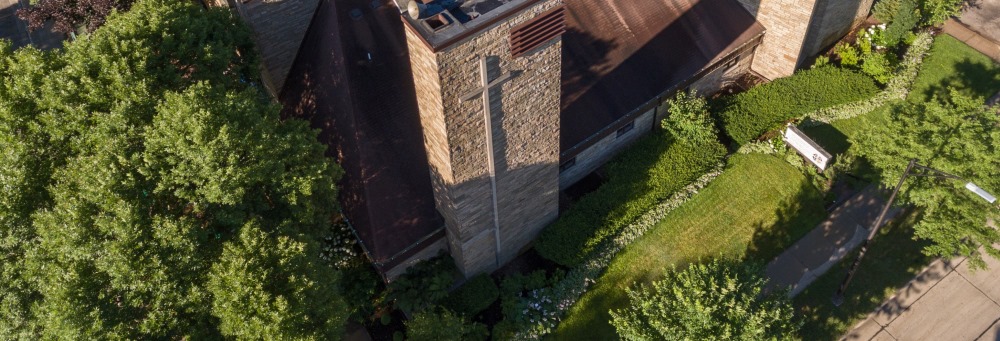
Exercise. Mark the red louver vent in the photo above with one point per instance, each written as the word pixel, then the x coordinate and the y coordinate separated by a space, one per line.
pixel 537 31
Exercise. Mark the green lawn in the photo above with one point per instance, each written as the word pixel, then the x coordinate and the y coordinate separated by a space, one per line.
pixel 894 257
pixel 952 63
pixel 756 208
pixel 760 204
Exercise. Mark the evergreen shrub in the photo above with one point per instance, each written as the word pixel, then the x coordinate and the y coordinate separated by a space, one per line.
pixel 474 296
pixel 748 115
pixel 885 10
pixel 423 284
pixel 442 325
pixel 905 20
pixel 644 175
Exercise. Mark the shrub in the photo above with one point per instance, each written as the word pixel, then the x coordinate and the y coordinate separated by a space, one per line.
pixel 443 325
pixel 423 284
pixel 885 10
pixel 475 296
pixel 521 305
pixel 905 20
pixel 936 12
pixel 821 61
pixel 555 299
pixel 359 284
pixel 880 66
pixel 848 54
pixel 750 114
pixel 647 173
pixel 688 118
pixel 896 88
pixel 714 301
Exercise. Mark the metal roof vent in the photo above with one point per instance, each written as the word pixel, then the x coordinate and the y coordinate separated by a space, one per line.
pixel 537 31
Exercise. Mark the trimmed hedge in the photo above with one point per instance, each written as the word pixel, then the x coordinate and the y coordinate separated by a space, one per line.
pixel 749 115
pixel 644 175
pixel 477 294
pixel 896 89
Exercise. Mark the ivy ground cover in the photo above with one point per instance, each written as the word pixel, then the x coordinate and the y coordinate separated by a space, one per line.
pixel 755 209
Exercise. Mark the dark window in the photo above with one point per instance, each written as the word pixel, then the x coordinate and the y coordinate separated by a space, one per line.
pixel 567 165
pixel 537 31
pixel 627 128
pixel 732 62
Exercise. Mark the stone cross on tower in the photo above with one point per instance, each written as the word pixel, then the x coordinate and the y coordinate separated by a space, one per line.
pixel 494 200
pixel 484 92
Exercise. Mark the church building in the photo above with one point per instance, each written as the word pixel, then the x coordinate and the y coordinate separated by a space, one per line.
pixel 498 105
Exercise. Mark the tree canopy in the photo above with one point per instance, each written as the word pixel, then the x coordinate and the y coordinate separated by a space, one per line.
pixel 959 136
pixel 148 189
pixel 718 300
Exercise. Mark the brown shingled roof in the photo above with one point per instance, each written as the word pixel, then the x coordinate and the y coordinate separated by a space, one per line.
pixel 368 117
pixel 619 54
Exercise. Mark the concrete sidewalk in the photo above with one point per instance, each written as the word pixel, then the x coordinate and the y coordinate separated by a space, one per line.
pixel 947 301
pixel 967 35
pixel 982 16
pixel 810 257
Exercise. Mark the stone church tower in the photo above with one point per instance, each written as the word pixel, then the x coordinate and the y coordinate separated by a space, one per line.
pixel 487 75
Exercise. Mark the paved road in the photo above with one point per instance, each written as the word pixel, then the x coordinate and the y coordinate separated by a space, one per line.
pixel 947 301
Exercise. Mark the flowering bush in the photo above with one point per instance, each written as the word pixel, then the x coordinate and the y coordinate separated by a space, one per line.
pixel 873 39
pixel 876 59
pixel 338 245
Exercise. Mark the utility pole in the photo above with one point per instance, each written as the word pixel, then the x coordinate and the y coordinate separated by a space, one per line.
pixel 838 297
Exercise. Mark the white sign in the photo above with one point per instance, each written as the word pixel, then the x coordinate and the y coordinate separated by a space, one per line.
pixel 807 147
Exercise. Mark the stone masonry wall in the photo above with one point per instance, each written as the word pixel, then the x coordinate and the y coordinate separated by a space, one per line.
pixel 833 20
pixel 787 22
pixel 722 75
pixel 601 152
pixel 525 120
pixel 278 27
pixel 798 29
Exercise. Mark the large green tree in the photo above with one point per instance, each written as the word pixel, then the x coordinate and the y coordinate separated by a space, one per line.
pixel 959 136
pixel 718 300
pixel 149 190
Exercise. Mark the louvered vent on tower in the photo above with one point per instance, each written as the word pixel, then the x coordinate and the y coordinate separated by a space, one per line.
pixel 537 31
